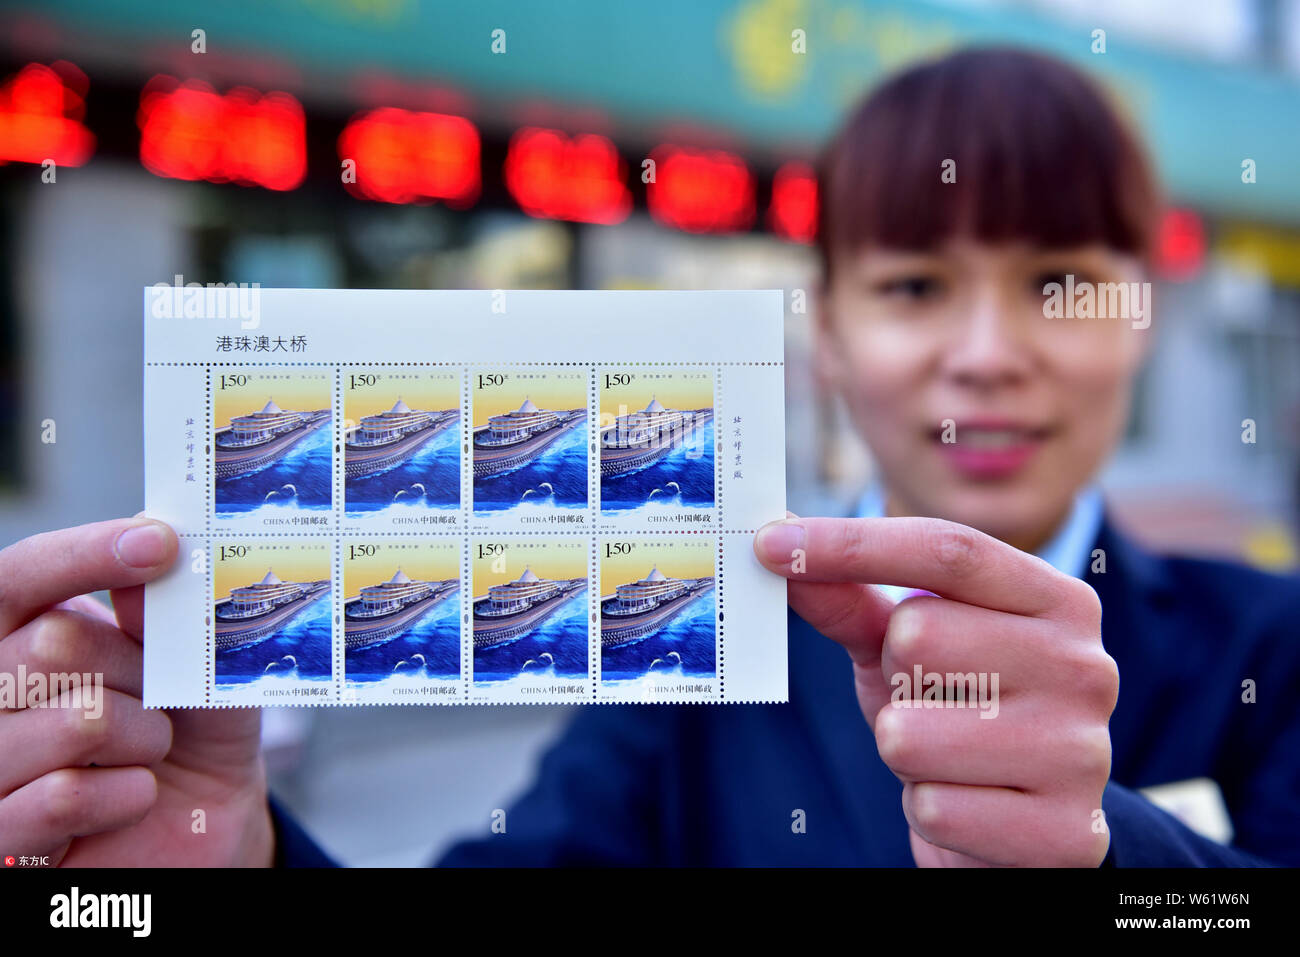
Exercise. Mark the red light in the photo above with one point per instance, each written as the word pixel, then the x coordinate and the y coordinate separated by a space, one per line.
pixel 1180 245
pixel 189 131
pixel 793 214
pixel 41 109
pixel 582 179
pixel 406 157
pixel 701 192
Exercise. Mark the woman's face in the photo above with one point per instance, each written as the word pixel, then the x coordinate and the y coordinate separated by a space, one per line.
pixel 978 407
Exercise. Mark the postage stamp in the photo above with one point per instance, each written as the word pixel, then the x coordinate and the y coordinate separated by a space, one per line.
pixel 529 618
pixel 401 621
pixel 401 448
pixel 272 621
pixel 658 617
pixel 552 499
pixel 529 444
pixel 656 448
pixel 272 461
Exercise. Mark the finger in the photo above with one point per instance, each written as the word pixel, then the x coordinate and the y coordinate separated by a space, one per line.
pixel 62 642
pixel 36 741
pixel 932 855
pixel 1020 746
pixel 128 606
pixel 41 817
pixel 43 570
pixel 945 558
pixel 955 641
pixel 88 605
pixel 1003 826
pixel 854 615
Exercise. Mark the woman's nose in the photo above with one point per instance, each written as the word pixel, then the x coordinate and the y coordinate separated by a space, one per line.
pixel 990 343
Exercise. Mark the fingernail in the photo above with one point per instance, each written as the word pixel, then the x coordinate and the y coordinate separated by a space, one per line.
pixel 778 541
pixel 142 546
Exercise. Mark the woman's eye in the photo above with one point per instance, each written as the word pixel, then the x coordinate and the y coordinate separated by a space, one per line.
pixel 912 287
pixel 1043 279
pixel 1062 277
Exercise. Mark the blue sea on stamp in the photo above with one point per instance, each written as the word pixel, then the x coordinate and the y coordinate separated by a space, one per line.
pixel 554 481
pixel 300 480
pixel 429 649
pixel 430 479
pixel 681 479
pixel 686 647
pixel 555 649
pixel 299 651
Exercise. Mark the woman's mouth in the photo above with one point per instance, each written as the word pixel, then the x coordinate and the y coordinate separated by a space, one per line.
pixel 988 450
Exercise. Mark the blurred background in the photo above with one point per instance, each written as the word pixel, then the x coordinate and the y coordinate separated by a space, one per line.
pixel 208 139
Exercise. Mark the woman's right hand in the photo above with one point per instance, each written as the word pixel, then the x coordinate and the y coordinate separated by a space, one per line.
pixel 107 783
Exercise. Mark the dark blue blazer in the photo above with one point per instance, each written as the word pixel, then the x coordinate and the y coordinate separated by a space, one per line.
pixel 720 785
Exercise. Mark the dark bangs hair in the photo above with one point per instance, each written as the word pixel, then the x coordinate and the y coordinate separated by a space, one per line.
pixel 1040 154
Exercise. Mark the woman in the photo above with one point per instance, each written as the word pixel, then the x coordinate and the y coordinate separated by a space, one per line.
pixel 952 200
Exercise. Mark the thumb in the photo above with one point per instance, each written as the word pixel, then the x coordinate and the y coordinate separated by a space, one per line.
pixel 223 741
pixel 852 613
pixel 52 567
pixel 128 603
